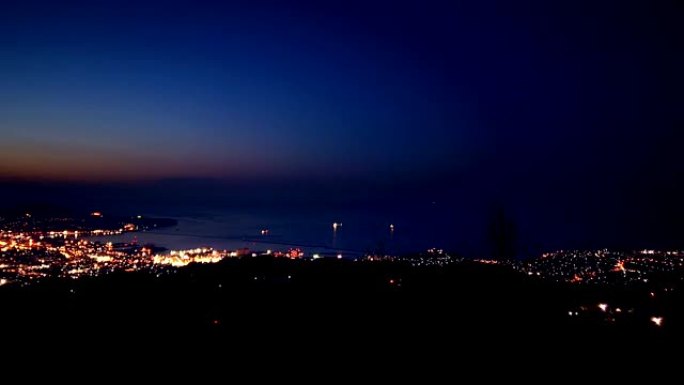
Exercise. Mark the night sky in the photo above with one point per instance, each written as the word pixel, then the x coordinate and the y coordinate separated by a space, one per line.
pixel 568 107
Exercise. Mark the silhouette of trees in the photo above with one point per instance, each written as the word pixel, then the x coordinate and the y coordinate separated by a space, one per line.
pixel 502 235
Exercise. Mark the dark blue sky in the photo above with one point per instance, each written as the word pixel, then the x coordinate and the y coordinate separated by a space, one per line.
pixel 191 89
pixel 131 90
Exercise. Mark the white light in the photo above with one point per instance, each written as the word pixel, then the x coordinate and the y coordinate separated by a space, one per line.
pixel 658 321
pixel 339 256
pixel 603 306
pixel 316 256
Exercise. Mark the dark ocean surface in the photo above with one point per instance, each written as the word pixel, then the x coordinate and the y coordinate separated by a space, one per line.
pixel 359 231
pixel 425 215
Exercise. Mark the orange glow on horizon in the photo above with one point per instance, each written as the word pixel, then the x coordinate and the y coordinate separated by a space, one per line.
pixel 66 162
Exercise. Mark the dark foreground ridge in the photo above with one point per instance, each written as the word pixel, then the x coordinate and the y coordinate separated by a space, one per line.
pixel 328 301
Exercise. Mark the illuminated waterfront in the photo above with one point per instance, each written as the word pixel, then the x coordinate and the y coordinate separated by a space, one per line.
pixel 33 249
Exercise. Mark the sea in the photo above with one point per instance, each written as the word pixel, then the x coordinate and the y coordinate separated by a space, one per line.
pixel 348 232
pixel 396 220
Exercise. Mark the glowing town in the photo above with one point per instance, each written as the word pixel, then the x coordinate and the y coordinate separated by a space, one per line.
pixel 35 248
